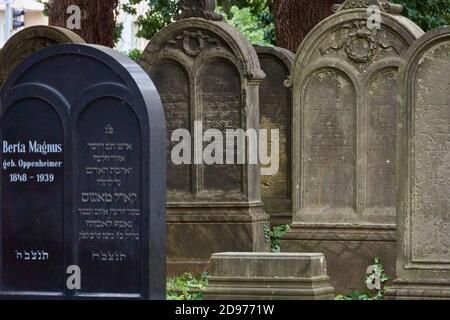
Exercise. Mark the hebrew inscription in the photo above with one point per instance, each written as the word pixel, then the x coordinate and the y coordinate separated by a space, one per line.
pixel 108 193
pixel 173 86
pixel 430 221
pixel 221 105
pixel 329 131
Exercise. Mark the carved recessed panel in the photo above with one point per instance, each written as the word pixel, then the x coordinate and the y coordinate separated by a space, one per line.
pixel 381 141
pixel 173 86
pixel 222 109
pixel 430 211
pixel 275 114
pixel 328 140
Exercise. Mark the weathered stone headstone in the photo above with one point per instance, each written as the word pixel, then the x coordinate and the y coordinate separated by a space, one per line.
pixel 267 276
pixel 30 40
pixel 344 81
pixel 275 112
pixel 208 76
pixel 423 258
pixel 83 179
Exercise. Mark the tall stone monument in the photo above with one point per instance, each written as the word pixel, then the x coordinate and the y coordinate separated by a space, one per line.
pixel 208 76
pixel 83 179
pixel 344 82
pixel 423 219
pixel 29 40
pixel 276 113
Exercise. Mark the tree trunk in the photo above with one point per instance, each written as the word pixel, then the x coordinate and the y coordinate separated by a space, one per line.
pixel 294 19
pixel 98 18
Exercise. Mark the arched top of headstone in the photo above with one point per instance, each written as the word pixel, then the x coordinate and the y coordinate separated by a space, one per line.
pixel 417 52
pixel 107 63
pixel 199 9
pixel 383 5
pixel 285 55
pixel 422 217
pixel 194 37
pixel 353 37
pixel 29 40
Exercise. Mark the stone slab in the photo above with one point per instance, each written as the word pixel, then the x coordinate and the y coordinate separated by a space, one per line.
pixel 268 276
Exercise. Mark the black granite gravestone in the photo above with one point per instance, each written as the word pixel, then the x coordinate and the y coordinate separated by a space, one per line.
pixel 83 179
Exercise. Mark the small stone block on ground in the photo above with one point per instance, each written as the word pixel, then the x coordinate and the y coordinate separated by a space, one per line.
pixel 268 276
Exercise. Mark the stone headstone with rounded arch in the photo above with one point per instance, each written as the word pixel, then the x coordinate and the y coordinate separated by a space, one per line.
pixel 344 82
pixel 29 40
pixel 423 227
pixel 208 76
pixel 275 113
pixel 83 181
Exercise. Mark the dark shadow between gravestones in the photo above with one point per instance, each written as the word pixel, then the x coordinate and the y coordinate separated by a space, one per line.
pixel 88 99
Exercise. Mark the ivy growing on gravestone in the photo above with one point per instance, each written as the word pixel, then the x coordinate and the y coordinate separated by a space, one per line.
pixel 376 294
pixel 273 236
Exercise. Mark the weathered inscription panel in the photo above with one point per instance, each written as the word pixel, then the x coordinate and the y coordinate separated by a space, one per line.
pixel 382 138
pixel 108 197
pixel 32 232
pixel 329 150
pixel 430 212
pixel 173 86
pixel 275 111
pixel 220 208
pixel 221 110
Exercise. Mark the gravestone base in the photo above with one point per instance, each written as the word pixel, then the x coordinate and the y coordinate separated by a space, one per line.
pixel 279 219
pixel 348 251
pixel 194 235
pixel 407 290
pixel 268 276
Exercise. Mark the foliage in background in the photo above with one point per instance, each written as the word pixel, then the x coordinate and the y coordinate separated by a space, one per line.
pixel 255 6
pixel 45 3
pixel 186 287
pixel 117 32
pixel 428 14
pixel 258 29
pixel 159 14
pixel 252 17
pixel 135 54
pixel 374 295
pixel 273 237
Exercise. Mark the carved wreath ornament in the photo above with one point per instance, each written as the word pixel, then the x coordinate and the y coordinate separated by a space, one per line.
pixel 193 42
pixel 359 42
